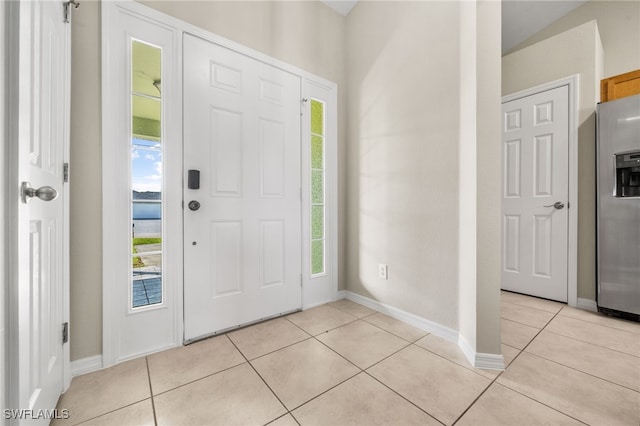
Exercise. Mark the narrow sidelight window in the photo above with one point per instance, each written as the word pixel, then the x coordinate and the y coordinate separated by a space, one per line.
pixel 317 187
pixel 146 175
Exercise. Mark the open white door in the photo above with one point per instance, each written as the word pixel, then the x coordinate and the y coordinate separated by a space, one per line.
pixel 536 194
pixel 39 91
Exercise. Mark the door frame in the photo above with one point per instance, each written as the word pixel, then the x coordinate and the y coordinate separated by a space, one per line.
pixel 10 78
pixel 572 82
pixel 111 310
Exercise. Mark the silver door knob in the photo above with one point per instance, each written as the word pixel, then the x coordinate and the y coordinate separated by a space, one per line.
pixel 45 193
pixel 557 205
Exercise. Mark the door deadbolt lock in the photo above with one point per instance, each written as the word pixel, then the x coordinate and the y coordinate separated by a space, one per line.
pixel 194 205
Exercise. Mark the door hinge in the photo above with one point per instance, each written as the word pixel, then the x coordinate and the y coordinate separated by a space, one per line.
pixel 65 332
pixel 67 9
pixel 65 172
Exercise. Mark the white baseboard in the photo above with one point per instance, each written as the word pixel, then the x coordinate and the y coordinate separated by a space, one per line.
pixel 86 365
pixel 478 360
pixel 415 320
pixel 489 361
pixel 587 304
pixel 481 360
pixel 342 294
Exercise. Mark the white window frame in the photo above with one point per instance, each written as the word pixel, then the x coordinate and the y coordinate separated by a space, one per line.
pixel 317 290
pixel 127 332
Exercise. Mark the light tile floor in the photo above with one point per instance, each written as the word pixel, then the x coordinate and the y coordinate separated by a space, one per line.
pixel 343 363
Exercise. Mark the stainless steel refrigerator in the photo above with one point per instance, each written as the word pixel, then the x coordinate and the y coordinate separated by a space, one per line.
pixel 618 207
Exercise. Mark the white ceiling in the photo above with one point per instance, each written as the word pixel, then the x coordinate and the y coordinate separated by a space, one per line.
pixel 520 18
pixel 343 7
pixel 523 18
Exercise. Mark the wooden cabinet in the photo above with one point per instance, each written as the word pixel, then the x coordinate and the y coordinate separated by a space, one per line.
pixel 620 86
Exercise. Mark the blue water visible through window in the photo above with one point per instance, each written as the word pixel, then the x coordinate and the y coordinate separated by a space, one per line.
pixel 146 210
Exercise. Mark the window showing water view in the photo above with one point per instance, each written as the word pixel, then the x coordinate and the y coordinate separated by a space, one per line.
pixel 146 175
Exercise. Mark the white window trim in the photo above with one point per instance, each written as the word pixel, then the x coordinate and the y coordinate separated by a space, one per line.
pixel 572 250
pixel 312 293
pixel 320 288
pixel 118 317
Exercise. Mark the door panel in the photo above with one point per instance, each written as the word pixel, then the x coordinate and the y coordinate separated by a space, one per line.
pixel 243 244
pixel 39 363
pixel 535 176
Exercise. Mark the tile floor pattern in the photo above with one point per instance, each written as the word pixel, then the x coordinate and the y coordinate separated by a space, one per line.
pixel 344 364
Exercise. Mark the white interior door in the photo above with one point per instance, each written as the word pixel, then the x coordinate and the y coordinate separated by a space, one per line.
pixel 535 194
pixel 37 357
pixel 242 246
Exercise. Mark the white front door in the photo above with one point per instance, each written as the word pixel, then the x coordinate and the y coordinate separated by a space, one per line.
pixel 36 353
pixel 535 194
pixel 242 243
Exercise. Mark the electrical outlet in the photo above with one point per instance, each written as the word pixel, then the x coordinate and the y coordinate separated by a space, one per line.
pixel 383 271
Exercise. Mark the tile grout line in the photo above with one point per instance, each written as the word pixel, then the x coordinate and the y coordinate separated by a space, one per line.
pixel 325 331
pixel 600 324
pixel 524 323
pixel 583 372
pixel 401 396
pixel 153 404
pixel 199 378
pixel 573 338
pixel 374 378
pixel 591 343
pixel 409 343
pixel 397 335
pixel 520 393
pixel 263 380
pixel 358 373
pixel 494 380
pixel 539 402
pixel 346 312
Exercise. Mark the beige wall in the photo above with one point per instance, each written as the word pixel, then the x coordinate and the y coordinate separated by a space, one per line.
pixel 577 51
pixel 402 177
pixel 305 34
pixel 489 177
pixel 480 177
pixel 619 26
pixel 423 81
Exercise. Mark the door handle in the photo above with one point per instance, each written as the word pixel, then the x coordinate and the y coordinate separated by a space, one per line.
pixel 45 193
pixel 557 205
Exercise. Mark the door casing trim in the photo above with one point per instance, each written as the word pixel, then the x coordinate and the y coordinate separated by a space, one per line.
pixel 572 82
pixel 110 322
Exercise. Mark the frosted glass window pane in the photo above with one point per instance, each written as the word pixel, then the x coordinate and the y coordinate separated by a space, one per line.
pixel 317 257
pixel 317 117
pixel 317 222
pixel 317 154
pixel 317 187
